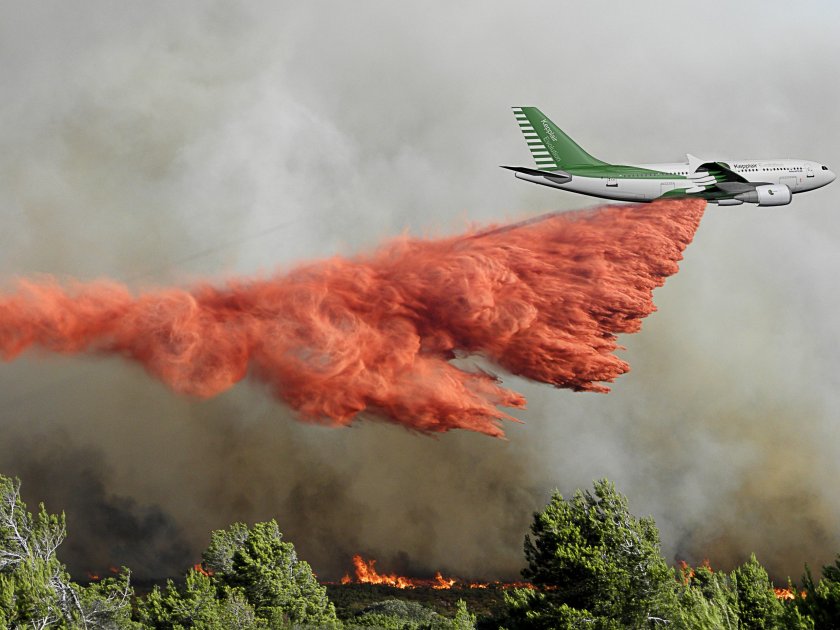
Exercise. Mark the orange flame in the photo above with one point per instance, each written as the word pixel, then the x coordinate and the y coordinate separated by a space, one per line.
pixel 199 566
pixel 784 593
pixel 686 571
pixel 442 582
pixel 787 593
pixel 366 573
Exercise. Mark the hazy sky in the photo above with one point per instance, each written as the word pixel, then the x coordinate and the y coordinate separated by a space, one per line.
pixel 157 143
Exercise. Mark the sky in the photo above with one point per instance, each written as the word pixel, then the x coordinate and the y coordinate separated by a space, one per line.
pixel 161 143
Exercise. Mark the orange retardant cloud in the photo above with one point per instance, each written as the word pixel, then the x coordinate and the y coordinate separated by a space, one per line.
pixel 376 333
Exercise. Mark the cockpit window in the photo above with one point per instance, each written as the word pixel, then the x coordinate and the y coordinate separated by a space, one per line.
pixel 825 168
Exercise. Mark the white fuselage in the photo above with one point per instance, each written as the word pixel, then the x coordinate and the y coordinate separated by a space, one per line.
pixel 797 175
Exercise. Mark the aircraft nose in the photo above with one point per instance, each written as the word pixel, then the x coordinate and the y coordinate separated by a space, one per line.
pixel 831 176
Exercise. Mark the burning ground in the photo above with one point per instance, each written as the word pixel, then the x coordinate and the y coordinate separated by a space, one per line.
pixel 365 572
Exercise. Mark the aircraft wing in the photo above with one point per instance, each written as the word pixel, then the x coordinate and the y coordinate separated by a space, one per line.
pixel 560 177
pixel 706 175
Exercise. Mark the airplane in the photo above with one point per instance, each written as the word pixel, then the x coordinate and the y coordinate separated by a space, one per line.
pixel 562 163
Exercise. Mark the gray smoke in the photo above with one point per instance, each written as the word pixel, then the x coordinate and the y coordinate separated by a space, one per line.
pixel 157 143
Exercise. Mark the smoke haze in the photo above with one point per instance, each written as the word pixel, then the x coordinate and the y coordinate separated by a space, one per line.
pixel 157 143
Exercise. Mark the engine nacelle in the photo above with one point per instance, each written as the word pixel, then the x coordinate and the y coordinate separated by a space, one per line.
pixel 767 195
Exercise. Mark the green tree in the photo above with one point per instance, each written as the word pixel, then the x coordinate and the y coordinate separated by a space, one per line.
pixel 743 599
pixel 464 619
pixel 821 601
pixel 281 588
pixel 793 616
pixel 528 608
pixel 35 589
pixel 706 600
pixel 758 607
pixel 397 614
pixel 200 605
pixel 593 562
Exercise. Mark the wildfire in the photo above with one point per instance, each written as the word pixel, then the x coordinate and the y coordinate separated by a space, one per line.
pixel 366 573
pixel 96 576
pixel 784 593
pixel 787 593
pixel 199 567
pixel 687 573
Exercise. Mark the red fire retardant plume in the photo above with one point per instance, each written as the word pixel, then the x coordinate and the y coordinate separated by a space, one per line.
pixel 376 333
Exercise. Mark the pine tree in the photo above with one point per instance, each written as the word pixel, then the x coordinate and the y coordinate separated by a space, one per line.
pixel 35 588
pixel 758 607
pixel 707 600
pixel 594 563
pixel 200 605
pixel 821 600
pixel 281 588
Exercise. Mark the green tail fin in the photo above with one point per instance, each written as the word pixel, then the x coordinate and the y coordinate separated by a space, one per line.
pixel 551 148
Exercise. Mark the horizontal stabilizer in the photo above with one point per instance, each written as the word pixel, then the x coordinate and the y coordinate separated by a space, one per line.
pixel 560 177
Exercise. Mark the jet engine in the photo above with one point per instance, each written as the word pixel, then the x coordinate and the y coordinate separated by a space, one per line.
pixel 767 195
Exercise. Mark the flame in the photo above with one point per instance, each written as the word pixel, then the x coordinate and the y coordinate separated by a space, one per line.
pixel 442 582
pixel 687 573
pixel 788 593
pixel 366 573
pixel 95 576
pixel 200 568
pixel 545 300
pixel 784 593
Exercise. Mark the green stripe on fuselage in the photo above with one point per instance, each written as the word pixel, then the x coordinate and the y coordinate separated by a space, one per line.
pixel 619 171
